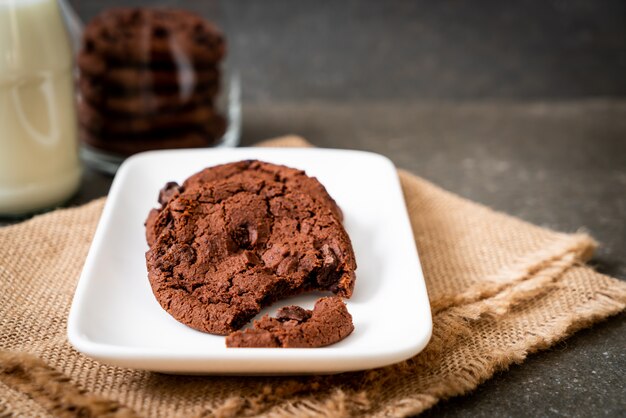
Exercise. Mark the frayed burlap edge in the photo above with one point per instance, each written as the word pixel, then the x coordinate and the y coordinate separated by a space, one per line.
pixel 52 391
pixel 609 301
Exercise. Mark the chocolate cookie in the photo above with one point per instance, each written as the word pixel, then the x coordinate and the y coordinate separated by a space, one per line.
pixel 236 237
pixel 131 79
pixel 132 144
pixel 200 117
pixel 147 35
pixel 294 327
pixel 145 102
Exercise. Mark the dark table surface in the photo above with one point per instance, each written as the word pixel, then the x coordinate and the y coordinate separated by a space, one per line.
pixel 519 106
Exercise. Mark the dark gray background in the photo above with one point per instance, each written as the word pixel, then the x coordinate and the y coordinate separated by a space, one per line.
pixel 391 50
pixel 518 105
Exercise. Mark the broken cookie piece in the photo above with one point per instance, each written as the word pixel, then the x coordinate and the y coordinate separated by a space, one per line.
pixel 295 327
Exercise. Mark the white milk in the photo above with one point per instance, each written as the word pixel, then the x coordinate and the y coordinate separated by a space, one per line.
pixel 39 164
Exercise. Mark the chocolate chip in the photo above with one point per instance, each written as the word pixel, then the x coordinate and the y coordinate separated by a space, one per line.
pixel 169 191
pixel 135 16
pixel 329 259
pixel 287 266
pixel 160 32
pixel 293 312
pixel 245 236
pixel 328 273
pixel 90 46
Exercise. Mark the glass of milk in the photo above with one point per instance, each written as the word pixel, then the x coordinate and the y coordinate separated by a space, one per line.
pixel 39 165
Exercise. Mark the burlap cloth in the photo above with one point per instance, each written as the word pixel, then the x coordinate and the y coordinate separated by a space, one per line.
pixel 500 289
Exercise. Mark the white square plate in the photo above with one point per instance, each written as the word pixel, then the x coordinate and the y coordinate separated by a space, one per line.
pixel 116 319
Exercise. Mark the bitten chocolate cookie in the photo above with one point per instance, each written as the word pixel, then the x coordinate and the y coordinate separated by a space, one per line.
pixel 148 35
pixel 294 327
pixel 235 238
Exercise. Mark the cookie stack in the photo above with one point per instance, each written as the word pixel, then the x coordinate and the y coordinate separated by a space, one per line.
pixel 149 80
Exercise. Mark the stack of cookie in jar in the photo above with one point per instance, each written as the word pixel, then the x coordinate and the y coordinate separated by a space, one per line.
pixel 149 79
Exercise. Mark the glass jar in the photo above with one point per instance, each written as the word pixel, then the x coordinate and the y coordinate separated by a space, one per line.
pixel 39 164
pixel 153 78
